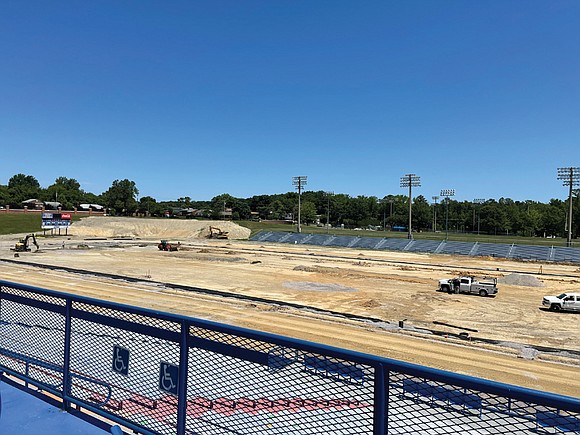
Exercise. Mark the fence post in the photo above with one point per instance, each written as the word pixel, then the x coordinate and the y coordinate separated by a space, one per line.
pixel 381 398
pixel 66 379
pixel 182 384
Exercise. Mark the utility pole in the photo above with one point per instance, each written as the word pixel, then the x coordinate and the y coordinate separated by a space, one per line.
pixel 570 177
pixel 299 182
pixel 410 181
pixel 447 193
pixel 435 198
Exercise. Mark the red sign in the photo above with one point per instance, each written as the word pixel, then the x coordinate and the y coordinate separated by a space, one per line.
pixel 65 216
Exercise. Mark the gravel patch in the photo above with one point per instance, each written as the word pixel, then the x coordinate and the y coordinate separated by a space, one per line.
pixel 522 280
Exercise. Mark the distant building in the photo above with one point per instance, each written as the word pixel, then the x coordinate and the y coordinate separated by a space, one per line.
pixel 52 205
pixel 94 207
pixel 33 203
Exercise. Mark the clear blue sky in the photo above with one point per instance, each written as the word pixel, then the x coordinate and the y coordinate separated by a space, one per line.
pixel 198 98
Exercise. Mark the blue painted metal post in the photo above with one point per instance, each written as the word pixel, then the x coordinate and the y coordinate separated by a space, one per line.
pixel 182 388
pixel 380 398
pixel 66 381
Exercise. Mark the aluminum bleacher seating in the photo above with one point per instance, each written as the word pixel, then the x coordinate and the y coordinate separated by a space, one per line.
pixel 423 246
pixel 567 254
pixel 316 239
pixel 527 252
pixel 458 248
pixel 393 244
pixel 367 243
pixel 340 241
pixel 491 250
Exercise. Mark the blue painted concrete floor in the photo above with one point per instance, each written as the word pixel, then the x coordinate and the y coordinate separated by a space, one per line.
pixel 24 414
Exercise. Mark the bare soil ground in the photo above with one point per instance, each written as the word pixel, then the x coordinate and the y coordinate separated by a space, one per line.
pixel 509 338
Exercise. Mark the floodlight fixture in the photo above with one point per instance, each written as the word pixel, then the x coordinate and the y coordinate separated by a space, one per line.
pixel 410 181
pixel 570 177
pixel 447 193
pixel 299 182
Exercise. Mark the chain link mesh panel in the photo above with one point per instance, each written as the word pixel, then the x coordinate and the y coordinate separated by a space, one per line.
pixel 423 406
pixel 119 370
pixel 257 387
pixel 32 338
pixel 126 363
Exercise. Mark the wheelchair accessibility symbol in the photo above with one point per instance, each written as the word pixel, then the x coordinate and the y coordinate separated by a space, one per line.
pixel 121 360
pixel 168 378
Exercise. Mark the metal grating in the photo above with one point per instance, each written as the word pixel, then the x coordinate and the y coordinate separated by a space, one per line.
pixel 32 338
pixel 296 393
pixel 421 405
pixel 164 374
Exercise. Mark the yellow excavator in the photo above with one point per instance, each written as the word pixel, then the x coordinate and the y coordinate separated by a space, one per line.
pixel 217 233
pixel 23 244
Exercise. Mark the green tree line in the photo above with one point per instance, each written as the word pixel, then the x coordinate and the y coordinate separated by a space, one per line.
pixel 497 217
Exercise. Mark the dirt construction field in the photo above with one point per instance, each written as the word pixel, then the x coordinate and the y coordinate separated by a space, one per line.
pixel 507 338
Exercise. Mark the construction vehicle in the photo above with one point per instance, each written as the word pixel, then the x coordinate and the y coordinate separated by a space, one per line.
pixel 166 246
pixel 23 246
pixel 217 233
pixel 468 284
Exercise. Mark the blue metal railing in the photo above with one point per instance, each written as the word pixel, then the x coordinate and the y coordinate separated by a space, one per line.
pixel 158 373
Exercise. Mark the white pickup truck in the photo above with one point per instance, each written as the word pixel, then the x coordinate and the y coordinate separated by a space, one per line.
pixel 468 284
pixel 565 301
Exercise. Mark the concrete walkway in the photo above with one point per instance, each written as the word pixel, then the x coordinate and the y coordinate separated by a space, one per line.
pixel 24 414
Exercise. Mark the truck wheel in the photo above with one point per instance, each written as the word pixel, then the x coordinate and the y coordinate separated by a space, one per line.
pixel 482 293
pixel 555 307
pixel 445 288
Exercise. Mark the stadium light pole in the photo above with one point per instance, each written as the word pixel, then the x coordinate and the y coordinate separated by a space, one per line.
pixel 328 195
pixel 299 182
pixel 570 177
pixel 435 198
pixel 447 193
pixel 410 181
pixel 478 201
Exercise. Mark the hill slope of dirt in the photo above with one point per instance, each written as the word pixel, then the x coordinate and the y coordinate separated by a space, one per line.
pixel 112 227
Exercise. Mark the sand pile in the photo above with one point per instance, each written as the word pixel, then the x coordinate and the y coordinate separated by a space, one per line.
pixel 521 279
pixel 115 227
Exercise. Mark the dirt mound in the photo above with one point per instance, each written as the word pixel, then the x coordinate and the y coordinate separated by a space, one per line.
pixel 521 279
pixel 117 227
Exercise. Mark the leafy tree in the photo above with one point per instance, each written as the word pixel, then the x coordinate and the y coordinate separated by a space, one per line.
pixel 307 212
pixel 149 206
pixel 67 191
pixel 22 187
pixel 4 195
pixel 121 197
pixel 422 215
pixel 220 203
